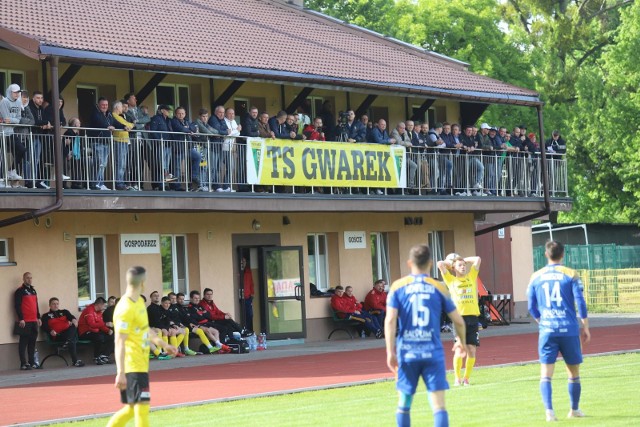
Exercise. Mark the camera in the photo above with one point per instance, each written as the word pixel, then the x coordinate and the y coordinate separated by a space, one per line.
pixel 343 117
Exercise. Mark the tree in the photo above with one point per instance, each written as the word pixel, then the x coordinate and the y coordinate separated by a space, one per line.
pixel 375 15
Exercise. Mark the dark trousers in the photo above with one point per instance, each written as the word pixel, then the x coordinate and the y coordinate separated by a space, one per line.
pixel 248 313
pixel 369 322
pixel 226 327
pixel 70 336
pixel 28 343
pixel 102 343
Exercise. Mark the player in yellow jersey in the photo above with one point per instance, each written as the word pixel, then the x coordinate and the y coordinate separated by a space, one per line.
pixel 463 287
pixel 132 337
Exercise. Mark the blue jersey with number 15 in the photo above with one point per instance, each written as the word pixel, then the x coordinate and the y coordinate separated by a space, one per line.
pixel 420 301
pixel 553 294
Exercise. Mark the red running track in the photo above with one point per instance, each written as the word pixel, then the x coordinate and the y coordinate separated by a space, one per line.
pixel 96 395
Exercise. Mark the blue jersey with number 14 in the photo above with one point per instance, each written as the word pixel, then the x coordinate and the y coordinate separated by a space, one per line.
pixel 553 294
pixel 420 301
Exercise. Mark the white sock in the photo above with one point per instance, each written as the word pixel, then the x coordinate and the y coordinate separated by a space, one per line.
pixel 218 343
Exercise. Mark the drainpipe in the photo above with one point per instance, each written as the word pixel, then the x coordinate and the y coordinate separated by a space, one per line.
pixel 545 187
pixel 57 148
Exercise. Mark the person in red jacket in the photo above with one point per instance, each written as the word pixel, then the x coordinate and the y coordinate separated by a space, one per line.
pixel 28 314
pixel 62 326
pixel 376 301
pixel 347 307
pixel 220 320
pixel 92 327
pixel 247 284
pixel 313 132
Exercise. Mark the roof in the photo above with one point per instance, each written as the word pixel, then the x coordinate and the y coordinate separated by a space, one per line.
pixel 250 39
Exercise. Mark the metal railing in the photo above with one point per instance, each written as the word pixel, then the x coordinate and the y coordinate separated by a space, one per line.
pixel 133 160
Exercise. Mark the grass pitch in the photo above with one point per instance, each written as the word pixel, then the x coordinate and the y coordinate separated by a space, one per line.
pixel 503 396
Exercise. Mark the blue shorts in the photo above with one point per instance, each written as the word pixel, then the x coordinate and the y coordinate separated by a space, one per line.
pixel 570 347
pixel 433 372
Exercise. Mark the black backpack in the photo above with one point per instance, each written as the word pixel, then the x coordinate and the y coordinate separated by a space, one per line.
pixel 238 346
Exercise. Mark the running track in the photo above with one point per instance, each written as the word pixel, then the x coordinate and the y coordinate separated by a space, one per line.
pixel 28 403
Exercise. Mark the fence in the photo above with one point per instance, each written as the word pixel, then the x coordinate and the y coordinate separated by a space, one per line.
pixel 612 290
pixel 139 160
pixel 594 257
pixel 610 274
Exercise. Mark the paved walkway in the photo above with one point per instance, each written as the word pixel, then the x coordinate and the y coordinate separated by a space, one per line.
pixel 89 391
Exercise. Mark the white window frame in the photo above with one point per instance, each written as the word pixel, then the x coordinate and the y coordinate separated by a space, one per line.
pixel 382 256
pixel 312 99
pixel 4 244
pixel 93 292
pixel 321 263
pixel 8 73
pixel 175 285
pixel 176 95
pixel 436 243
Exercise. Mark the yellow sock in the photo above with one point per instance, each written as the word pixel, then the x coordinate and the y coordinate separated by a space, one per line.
pixel 173 341
pixel 179 339
pixel 156 351
pixel 165 339
pixel 457 366
pixel 471 361
pixel 186 339
pixel 141 411
pixel 200 333
pixel 122 417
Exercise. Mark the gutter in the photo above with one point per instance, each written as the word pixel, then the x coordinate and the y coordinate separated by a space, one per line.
pixel 57 147
pixel 545 188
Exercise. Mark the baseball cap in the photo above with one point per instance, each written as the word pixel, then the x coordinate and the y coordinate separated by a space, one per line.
pixel 485 126
pixel 14 88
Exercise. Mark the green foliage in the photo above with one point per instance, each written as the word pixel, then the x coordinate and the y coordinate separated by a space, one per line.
pixel 578 54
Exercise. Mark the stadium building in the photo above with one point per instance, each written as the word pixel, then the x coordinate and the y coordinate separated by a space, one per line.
pixel 275 55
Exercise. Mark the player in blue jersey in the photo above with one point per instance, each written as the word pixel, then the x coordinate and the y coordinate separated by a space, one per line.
pixel 414 306
pixel 553 293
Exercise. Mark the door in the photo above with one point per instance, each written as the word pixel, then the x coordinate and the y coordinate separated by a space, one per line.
pixel 248 272
pixel 87 99
pixel 283 309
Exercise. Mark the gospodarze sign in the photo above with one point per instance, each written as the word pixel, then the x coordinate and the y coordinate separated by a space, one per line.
pixel 355 240
pixel 139 243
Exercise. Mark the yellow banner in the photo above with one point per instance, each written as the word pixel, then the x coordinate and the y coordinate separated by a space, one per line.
pixel 328 164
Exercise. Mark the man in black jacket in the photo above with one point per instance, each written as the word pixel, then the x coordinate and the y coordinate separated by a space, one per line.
pixel 62 326
pixel 26 306
pixel 102 122
pixel 356 131
pixel 250 123
pixel 33 169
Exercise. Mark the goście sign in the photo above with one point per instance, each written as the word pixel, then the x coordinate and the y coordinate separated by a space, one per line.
pixel 355 240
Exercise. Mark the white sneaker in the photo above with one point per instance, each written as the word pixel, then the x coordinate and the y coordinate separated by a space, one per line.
pixel 457 383
pixel 379 192
pixel 44 185
pixel 103 187
pixel 12 175
pixel 478 186
pixel 66 178
pixel 575 413
pixel 550 415
pixel 3 184
pixel 220 190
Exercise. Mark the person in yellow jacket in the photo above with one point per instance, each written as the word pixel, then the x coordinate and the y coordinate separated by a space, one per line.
pixel 120 143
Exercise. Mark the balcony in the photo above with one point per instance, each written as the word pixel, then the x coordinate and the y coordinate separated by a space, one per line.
pixel 178 172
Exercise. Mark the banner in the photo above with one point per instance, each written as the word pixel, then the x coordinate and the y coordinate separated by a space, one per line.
pixel 139 243
pixel 325 164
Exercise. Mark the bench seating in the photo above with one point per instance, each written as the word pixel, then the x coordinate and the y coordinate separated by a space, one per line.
pixel 344 324
pixel 58 349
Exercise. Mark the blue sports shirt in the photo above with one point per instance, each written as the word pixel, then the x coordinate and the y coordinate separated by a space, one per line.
pixel 420 301
pixel 553 294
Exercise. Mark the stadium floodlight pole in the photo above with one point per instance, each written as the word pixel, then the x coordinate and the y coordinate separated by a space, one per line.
pixel 545 188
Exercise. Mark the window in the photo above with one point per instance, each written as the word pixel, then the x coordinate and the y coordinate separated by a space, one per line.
pixel 173 95
pixel 436 243
pixel 173 250
pixel 240 107
pixel 380 256
pixel 91 263
pixel 318 260
pixel 8 77
pixel 316 106
pixel 4 250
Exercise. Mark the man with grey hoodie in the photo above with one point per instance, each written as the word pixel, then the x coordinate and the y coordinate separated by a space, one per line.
pixel 11 113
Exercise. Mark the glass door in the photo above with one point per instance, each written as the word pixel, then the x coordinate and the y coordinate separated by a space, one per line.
pixel 284 306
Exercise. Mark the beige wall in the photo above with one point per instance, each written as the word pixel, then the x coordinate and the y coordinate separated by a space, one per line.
pixel 522 267
pixel 52 260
